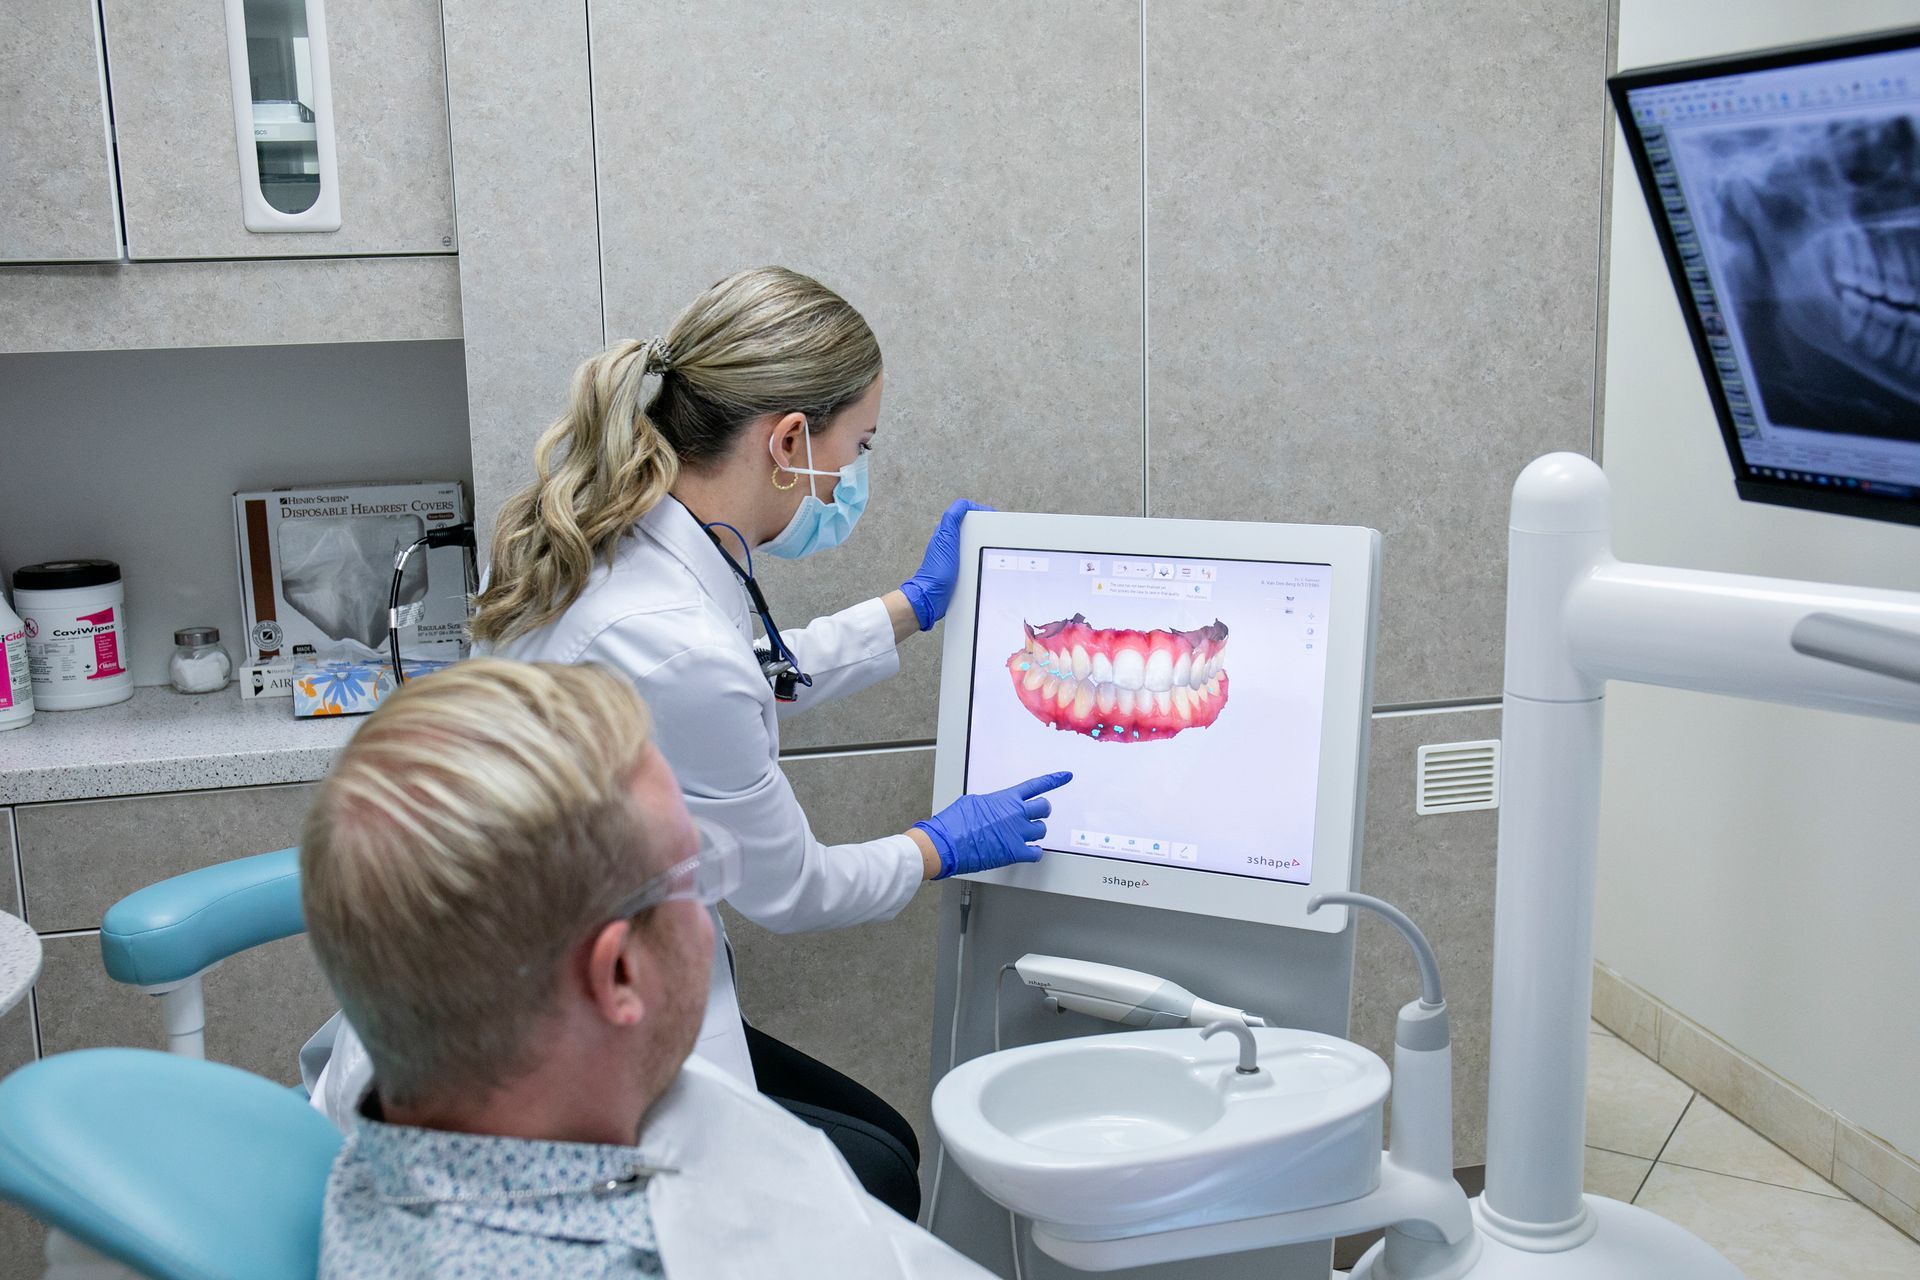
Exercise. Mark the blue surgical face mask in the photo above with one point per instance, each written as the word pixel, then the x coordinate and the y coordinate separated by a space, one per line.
pixel 818 525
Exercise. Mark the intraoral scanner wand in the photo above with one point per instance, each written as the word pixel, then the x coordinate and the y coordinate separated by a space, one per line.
pixel 1125 996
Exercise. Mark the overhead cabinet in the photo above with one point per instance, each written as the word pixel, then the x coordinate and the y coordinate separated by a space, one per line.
pixel 57 201
pixel 280 128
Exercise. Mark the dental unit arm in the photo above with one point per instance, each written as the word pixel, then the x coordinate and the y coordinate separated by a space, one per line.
pixel 1126 996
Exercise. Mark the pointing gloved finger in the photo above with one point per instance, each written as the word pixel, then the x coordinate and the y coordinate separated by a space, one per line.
pixel 1039 807
pixel 1029 853
pixel 1045 782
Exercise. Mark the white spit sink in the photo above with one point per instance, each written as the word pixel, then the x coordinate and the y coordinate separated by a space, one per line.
pixel 1117 1135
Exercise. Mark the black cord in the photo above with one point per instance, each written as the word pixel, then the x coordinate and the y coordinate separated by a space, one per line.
pixel 459 535
pixel 776 645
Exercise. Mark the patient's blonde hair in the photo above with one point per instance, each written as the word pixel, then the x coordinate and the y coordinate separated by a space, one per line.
pixel 477 825
pixel 766 340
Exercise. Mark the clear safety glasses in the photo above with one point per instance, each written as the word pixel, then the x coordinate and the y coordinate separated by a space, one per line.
pixel 708 876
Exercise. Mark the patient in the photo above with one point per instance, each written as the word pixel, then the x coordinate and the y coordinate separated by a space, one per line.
pixel 510 900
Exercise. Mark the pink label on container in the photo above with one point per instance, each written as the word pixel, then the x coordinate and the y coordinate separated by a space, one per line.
pixel 106 645
pixel 6 667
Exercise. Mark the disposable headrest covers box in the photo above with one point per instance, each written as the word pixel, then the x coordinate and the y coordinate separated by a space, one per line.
pixel 316 567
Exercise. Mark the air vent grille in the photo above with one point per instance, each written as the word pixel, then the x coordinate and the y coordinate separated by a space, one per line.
pixel 1453 777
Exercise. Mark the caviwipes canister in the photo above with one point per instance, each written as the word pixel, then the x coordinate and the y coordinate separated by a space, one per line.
pixel 75 619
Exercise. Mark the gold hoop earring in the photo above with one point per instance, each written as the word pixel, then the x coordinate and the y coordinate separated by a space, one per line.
pixel 791 481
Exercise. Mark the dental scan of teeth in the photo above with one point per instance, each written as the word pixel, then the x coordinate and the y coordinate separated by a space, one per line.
pixel 1121 686
pixel 1118 671
pixel 1785 188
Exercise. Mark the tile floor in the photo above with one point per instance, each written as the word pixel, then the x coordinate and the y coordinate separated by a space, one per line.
pixel 1654 1142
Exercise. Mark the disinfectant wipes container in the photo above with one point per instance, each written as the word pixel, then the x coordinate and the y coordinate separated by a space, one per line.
pixel 75 613
pixel 16 685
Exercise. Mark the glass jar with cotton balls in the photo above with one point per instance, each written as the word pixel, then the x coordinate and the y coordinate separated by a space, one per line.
pixel 200 664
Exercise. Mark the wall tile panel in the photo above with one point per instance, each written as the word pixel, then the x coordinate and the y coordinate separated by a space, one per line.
pixel 9 875
pixel 517 85
pixel 1372 231
pixel 1439 869
pixel 858 999
pixel 22 1240
pixel 80 858
pixel 969 178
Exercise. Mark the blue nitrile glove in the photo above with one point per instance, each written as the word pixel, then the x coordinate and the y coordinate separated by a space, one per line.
pixel 981 832
pixel 929 590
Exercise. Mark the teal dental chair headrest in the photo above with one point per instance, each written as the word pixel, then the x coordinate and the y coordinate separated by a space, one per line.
pixel 177 1167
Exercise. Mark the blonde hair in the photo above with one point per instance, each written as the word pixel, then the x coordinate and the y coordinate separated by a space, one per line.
pixel 766 340
pixel 474 828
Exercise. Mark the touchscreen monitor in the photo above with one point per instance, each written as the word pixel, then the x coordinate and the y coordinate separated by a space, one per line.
pixel 1185 693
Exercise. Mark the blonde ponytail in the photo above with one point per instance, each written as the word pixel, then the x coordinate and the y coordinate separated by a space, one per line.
pixel 616 466
pixel 766 340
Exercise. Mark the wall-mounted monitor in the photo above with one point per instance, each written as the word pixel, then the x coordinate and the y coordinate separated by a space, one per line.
pixel 1785 189
pixel 1207 683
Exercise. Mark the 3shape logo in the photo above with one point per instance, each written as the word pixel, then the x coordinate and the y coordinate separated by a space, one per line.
pixel 1124 883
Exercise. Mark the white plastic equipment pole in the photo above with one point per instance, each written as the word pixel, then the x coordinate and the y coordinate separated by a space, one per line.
pixel 183 1007
pixel 1577 617
pixel 1544 886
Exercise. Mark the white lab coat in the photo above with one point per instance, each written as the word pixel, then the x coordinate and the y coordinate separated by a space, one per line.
pixel 761 1194
pixel 670 615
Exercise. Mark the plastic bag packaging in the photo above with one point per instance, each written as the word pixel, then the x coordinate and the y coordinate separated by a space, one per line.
pixel 338 571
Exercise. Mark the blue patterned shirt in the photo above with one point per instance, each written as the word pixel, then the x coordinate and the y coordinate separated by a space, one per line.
pixel 407 1202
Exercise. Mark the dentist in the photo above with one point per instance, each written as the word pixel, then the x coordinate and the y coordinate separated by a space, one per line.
pixel 637 548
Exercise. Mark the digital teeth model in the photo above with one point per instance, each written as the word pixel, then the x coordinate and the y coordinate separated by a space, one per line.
pixel 1121 685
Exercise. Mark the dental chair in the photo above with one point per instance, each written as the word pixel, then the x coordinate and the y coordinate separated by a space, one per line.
pixel 180 1168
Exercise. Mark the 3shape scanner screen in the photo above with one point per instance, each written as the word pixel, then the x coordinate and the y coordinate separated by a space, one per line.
pixel 1791 202
pixel 1185 695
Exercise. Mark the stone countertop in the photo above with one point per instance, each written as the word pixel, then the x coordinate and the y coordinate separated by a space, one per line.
pixel 20 957
pixel 161 740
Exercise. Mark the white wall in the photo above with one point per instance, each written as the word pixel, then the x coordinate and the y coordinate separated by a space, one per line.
pixel 1760 867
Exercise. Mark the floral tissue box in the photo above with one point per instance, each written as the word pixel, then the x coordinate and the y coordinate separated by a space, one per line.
pixel 348 688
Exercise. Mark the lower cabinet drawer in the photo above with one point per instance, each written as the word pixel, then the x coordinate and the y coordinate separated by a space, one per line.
pixel 78 858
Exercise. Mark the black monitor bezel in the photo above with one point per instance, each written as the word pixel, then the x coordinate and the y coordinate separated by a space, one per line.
pixel 1750 488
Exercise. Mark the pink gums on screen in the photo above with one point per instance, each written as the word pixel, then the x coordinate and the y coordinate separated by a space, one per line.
pixel 1121 685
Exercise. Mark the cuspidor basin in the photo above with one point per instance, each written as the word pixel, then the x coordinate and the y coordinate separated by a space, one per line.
pixel 1116 1135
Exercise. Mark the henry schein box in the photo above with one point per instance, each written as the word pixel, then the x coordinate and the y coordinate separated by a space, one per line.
pixel 316 569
